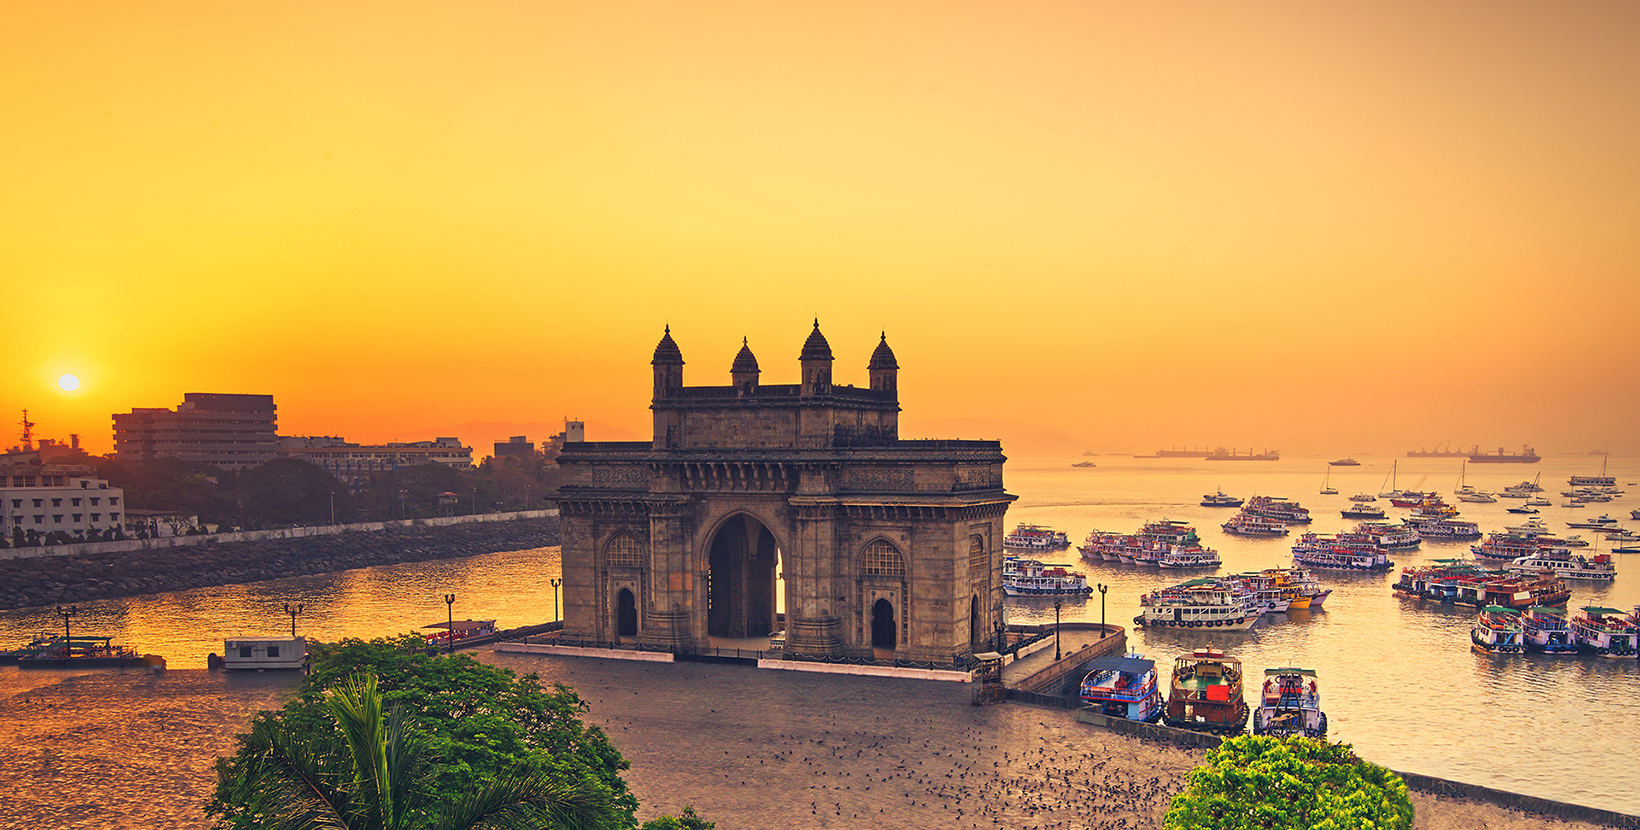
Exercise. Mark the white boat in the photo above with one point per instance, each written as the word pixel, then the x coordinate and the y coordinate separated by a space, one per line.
pixel 1326 487
pixel 1567 565
pixel 1290 704
pixel 263 653
pixel 1539 501
pixel 1364 498
pixel 1601 523
pixel 1480 496
pixel 1250 524
pixel 1605 632
pixel 1211 604
pixel 1030 578
pixel 1189 556
pixel 1035 538
pixel 1546 631
pixel 1497 630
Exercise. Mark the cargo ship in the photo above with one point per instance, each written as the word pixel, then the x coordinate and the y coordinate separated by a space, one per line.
pixel 1222 454
pixel 1527 455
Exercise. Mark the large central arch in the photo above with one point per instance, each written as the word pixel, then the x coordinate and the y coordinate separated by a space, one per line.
pixel 740 579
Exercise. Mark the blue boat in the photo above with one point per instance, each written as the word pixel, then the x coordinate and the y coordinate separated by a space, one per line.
pixel 1124 687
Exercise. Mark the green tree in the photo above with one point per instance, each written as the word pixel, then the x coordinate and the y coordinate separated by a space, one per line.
pixel 290 491
pixel 686 820
pixel 1257 781
pixel 478 724
pixel 292 780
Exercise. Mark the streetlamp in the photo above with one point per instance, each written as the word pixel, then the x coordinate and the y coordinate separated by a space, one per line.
pixel 1056 654
pixel 1102 589
pixel 450 622
pixel 555 584
pixel 293 612
pixel 68 642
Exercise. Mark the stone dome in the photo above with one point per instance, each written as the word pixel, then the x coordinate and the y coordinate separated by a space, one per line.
pixel 745 361
pixel 883 357
pixel 667 351
pixel 816 347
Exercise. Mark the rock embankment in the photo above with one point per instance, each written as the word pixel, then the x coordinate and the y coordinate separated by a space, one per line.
pixel 26 583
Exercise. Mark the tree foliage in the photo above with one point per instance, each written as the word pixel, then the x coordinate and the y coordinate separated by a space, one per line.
pixel 478 724
pixel 1257 781
pixel 289 491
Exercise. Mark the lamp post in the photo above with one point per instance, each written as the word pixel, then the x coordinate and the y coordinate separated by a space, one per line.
pixel 450 622
pixel 555 584
pixel 1056 653
pixel 293 612
pixel 68 642
pixel 1102 589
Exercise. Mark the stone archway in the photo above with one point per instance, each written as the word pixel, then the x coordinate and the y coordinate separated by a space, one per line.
pixel 740 579
pixel 626 614
pixel 884 632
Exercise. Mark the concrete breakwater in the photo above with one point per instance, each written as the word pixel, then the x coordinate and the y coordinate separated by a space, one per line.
pixel 81 577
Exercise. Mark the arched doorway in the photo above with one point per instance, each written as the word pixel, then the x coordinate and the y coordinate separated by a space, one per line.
pixel 626 614
pixel 883 630
pixel 740 580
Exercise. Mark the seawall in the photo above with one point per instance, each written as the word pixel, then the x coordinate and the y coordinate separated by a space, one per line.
pixel 80 573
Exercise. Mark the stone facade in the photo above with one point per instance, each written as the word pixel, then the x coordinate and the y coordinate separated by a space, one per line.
pixel 882 547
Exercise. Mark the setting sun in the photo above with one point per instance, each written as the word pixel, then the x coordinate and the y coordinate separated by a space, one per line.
pixel 68 383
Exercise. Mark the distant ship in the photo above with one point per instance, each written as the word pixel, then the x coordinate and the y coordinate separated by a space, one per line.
pixel 1222 454
pixel 1527 455
pixel 1176 454
pixel 1437 452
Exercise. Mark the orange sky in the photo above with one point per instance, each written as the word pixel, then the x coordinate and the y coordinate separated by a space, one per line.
pixel 1326 228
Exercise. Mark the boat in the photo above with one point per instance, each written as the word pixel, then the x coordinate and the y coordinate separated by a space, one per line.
pixel 1437 452
pixel 1601 523
pixel 1222 454
pixel 1539 501
pixel 1635 514
pixel 1462 582
pixel 1601 480
pixel 1219 499
pixel 87 652
pixel 40 642
pixel 1030 578
pixel 1497 630
pixel 1389 482
pixel 1329 552
pixel 1480 496
pixel 1443 528
pixel 1177 453
pixel 450 632
pixel 1124 687
pixel 1289 704
pixel 1326 487
pixel 1084 464
pixel 1280 509
pixel 1364 498
pixel 1252 524
pixel 1605 632
pixel 1189 556
pixel 1524 510
pixel 1344 462
pixel 1508 546
pixel 1567 565
pixel 1211 603
pixel 1546 631
pixel 263 653
pixel 1206 693
pixel 1363 511
pixel 1526 456
pixel 1029 537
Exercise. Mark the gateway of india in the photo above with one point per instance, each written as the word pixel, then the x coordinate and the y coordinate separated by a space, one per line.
pixel 884 548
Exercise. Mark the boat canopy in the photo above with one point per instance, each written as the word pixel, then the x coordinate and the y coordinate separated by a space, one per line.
pixel 1498 609
pixel 1305 672
pixel 1604 612
pixel 1131 665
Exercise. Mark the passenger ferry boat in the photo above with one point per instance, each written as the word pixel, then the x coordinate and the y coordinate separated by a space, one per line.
pixel 1124 687
pixel 1189 556
pixel 1497 630
pixel 1213 604
pixel 1030 578
pixel 1567 565
pixel 1465 583
pixel 1290 704
pixel 1363 511
pixel 1507 546
pixel 1219 499
pixel 1206 693
pixel 1442 528
pixel 1280 509
pixel 1035 538
pixel 1349 551
pixel 1546 631
pixel 1605 632
pixel 1252 524
pixel 1605 522
pixel 1151 545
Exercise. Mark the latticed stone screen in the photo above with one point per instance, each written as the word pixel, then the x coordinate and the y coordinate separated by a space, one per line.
pixel 883 559
pixel 623 552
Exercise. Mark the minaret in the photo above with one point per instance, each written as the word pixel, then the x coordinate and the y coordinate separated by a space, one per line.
pixel 884 370
pixel 668 365
pixel 743 373
pixel 816 362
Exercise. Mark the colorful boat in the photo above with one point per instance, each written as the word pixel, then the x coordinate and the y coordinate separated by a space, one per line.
pixel 1252 524
pixel 1497 630
pixel 1030 578
pixel 1035 538
pixel 1279 509
pixel 1290 704
pixel 1206 693
pixel 1546 631
pixel 1207 603
pixel 1605 632
pixel 1124 687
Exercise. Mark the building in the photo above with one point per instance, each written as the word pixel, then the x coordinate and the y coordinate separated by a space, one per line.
pixel 574 432
pixel 751 496
pixel 40 498
pixel 353 463
pixel 516 445
pixel 230 432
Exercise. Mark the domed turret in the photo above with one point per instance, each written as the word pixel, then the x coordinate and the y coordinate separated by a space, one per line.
pixel 816 362
pixel 883 369
pixel 743 372
pixel 668 365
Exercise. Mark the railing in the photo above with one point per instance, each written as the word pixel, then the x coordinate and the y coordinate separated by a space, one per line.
pixel 957 662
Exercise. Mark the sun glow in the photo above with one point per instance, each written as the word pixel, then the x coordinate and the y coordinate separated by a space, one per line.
pixel 68 383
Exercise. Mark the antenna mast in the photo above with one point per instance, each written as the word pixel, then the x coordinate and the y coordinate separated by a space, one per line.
pixel 28 432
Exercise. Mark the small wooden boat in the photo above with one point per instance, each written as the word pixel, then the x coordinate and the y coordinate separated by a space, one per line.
pixel 1289 704
pixel 1206 693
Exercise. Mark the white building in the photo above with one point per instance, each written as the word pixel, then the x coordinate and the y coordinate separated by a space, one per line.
pixel 54 497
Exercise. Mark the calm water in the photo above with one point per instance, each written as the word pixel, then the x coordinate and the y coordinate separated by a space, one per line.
pixel 1398 679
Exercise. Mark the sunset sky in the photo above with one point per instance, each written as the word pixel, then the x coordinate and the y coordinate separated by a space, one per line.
pixel 1320 227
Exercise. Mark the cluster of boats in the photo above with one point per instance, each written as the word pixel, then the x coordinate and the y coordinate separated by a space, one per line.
pixel 1231 603
pixel 1035 538
pixel 1162 544
pixel 1206 694
pixel 1463 582
pixel 1033 578
pixel 1604 632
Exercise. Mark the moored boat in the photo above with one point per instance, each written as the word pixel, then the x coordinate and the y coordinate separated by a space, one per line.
pixel 1497 630
pixel 1567 565
pixel 1219 499
pixel 1363 511
pixel 1029 537
pixel 1290 704
pixel 90 652
pixel 1030 578
pixel 1206 693
pixel 1279 509
pixel 1605 632
pixel 1546 631
pixel 1124 687
pixel 1252 524
pixel 1207 603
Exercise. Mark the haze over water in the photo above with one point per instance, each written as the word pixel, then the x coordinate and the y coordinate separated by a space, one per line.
pixel 1398 679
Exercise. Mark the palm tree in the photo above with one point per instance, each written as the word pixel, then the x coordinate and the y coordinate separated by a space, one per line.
pixel 369 782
